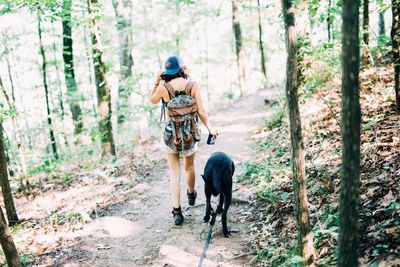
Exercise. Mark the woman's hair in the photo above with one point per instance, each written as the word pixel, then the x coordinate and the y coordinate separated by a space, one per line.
pixel 168 78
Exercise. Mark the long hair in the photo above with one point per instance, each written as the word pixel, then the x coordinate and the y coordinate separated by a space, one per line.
pixel 180 73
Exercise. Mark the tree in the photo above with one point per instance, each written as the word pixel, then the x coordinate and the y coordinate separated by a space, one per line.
pixel 69 71
pixel 260 41
pixel 239 46
pixel 20 148
pixel 46 89
pixel 305 236
pixel 381 22
pixel 366 53
pixel 351 118
pixel 123 10
pixel 396 50
pixel 7 243
pixel 329 20
pixel 102 85
pixel 5 183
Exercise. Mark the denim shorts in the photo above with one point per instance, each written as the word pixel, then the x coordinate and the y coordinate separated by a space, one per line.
pixel 169 150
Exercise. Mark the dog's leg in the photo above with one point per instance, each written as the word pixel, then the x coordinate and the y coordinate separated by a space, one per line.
pixel 227 203
pixel 221 203
pixel 208 204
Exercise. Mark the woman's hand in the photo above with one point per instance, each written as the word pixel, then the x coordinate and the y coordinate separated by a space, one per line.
pixel 214 133
pixel 158 78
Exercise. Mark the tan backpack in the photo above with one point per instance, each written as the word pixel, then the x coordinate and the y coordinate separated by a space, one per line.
pixel 181 131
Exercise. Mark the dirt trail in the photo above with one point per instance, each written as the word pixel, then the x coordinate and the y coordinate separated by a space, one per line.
pixel 139 231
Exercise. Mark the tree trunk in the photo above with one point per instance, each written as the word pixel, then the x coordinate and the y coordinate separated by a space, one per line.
pixel 7 243
pixel 102 86
pixel 366 53
pixel 329 20
pixel 239 47
pixel 5 184
pixel 69 71
pixel 46 89
pixel 396 50
pixel 20 148
pixel 58 82
pixel 260 41
pixel 123 10
pixel 351 117
pixel 305 236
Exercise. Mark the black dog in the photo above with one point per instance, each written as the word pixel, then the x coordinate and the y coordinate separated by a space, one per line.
pixel 217 177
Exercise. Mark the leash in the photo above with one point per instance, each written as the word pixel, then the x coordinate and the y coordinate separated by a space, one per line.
pixel 203 254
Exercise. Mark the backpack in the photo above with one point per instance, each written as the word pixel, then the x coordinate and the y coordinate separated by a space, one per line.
pixel 181 131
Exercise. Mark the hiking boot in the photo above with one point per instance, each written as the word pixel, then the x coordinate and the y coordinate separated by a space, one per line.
pixel 191 197
pixel 178 216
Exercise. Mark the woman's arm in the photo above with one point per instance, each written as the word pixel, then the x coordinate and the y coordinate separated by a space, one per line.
pixel 202 112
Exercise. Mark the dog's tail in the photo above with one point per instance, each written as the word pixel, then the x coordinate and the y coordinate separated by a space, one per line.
pixel 217 180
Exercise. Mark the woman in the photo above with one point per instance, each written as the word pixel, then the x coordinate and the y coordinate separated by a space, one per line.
pixel 175 74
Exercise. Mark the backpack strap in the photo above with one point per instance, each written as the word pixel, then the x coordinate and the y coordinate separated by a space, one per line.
pixel 170 90
pixel 188 89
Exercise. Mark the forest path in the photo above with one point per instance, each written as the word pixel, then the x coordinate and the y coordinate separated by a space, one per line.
pixel 139 231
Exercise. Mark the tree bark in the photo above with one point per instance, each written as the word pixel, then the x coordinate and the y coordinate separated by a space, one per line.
pixel 239 47
pixel 366 52
pixel 329 20
pixel 46 89
pixel 351 117
pixel 69 71
pixel 395 49
pixel 102 86
pixel 5 184
pixel 7 243
pixel 305 236
pixel 260 41
pixel 123 10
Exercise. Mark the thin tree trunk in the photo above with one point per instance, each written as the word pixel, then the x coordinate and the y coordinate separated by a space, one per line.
pixel 102 86
pixel 124 26
pixel 260 41
pixel 351 117
pixel 395 49
pixel 5 184
pixel 20 148
pixel 7 243
pixel 366 52
pixel 60 94
pixel 46 89
pixel 305 236
pixel 69 71
pixel 239 47
pixel 329 20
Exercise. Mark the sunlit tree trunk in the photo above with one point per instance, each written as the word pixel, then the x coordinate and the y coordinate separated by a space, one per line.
pixel 351 117
pixel 305 236
pixel 239 46
pixel 395 49
pixel 7 243
pixel 58 82
pixel 69 71
pixel 5 184
pixel 46 89
pixel 102 86
pixel 123 10
pixel 382 10
pixel 366 52
pixel 260 41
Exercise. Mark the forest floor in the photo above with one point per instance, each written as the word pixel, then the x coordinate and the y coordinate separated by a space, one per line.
pixel 119 214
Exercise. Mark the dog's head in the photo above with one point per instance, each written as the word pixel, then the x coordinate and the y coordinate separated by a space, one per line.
pixel 215 189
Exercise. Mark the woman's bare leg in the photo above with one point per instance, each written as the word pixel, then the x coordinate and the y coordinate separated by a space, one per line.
pixel 175 178
pixel 188 163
